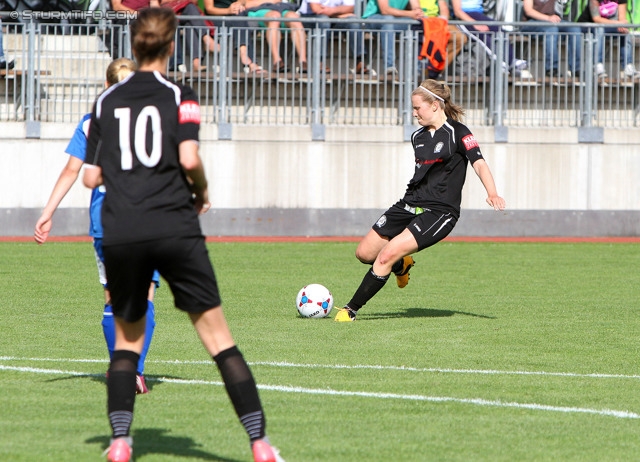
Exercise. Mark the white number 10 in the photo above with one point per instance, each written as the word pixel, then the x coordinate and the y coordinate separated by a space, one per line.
pixel 123 114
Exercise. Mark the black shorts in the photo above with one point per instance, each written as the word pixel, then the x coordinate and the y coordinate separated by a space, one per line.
pixel 428 227
pixel 183 262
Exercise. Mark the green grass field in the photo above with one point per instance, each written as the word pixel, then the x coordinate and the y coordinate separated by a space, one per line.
pixel 493 352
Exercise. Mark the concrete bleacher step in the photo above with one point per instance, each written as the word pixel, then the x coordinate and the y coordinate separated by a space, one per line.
pixel 71 66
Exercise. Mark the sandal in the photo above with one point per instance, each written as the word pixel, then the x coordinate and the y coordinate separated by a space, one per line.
pixel 279 67
pixel 254 69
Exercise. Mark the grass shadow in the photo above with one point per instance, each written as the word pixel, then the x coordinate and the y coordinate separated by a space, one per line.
pixel 157 441
pixel 420 313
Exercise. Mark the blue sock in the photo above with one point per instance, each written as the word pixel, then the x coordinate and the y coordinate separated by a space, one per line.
pixel 109 329
pixel 148 333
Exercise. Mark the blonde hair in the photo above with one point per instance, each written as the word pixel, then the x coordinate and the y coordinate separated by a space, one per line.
pixel 119 69
pixel 432 91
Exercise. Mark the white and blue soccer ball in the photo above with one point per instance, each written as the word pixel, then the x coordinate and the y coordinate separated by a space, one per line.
pixel 314 301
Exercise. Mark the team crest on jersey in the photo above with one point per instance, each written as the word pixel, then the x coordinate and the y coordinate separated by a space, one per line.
pixel 438 147
pixel 381 221
pixel 469 142
pixel 189 112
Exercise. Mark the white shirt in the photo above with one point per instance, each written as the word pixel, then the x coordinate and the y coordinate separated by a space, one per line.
pixel 306 9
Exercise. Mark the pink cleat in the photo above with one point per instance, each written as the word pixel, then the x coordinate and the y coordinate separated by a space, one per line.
pixel 120 450
pixel 264 452
pixel 141 387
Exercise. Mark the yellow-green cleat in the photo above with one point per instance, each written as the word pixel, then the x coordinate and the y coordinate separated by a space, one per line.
pixel 402 278
pixel 346 314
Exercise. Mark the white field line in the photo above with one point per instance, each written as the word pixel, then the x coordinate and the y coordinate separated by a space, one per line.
pixel 362 394
pixel 353 367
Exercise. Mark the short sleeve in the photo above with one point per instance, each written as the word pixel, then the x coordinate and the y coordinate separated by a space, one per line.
pixel 188 116
pixel 470 146
pixel 77 146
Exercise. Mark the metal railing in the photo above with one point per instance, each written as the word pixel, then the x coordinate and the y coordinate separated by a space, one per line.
pixel 59 72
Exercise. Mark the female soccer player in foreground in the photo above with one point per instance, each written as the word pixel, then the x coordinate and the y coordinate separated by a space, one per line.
pixel 431 205
pixel 77 150
pixel 143 144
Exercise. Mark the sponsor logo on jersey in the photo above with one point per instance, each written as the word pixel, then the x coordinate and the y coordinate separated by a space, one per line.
pixel 189 112
pixel 428 161
pixel 381 221
pixel 469 142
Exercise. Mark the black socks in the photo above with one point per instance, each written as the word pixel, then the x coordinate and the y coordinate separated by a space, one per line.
pixel 121 391
pixel 242 390
pixel 370 285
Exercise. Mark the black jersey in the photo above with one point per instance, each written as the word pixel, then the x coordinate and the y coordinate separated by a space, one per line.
pixel 136 127
pixel 441 166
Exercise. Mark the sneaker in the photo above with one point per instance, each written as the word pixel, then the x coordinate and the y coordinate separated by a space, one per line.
pixel 552 73
pixel 391 70
pixel 520 64
pixel 629 71
pixel 600 72
pixel 521 69
pixel 362 69
pixel 402 278
pixel 141 387
pixel 264 452
pixel 346 314
pixel 120 449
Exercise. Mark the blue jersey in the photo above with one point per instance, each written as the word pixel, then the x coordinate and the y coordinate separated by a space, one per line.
pixel 77 147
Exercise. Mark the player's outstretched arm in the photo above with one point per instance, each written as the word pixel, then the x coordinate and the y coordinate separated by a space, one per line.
pixel 67 178
pixel 482 170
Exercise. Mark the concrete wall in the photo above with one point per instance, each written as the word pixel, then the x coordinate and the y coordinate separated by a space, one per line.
pixel 276 181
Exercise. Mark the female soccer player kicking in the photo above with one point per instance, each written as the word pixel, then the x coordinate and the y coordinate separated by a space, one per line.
pixel 430 208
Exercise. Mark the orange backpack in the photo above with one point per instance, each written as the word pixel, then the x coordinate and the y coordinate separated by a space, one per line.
pixel 434 43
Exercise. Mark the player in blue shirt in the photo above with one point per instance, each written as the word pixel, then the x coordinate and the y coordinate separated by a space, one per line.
pixel 76 149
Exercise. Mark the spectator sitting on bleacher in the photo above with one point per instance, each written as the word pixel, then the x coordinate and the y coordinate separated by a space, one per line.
pixel 4 64
pixel 241 34
pixel 389 10
pixel 457 38
pixel 473 10
pixel 267 11
pixel 543 16
pixel 198 32
pixel 194 46
pixel 338 9
pixel 611 12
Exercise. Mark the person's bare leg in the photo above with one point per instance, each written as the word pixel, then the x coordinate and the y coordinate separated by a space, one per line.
pixel 213 330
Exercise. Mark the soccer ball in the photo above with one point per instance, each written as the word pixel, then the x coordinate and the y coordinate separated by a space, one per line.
pixel 314 301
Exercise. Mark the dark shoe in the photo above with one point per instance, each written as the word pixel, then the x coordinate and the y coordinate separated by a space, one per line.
pixel 303 67
pixel 552 73
pixel 279 67
pixel 361 68
pixel 576 75
pixel 8 65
